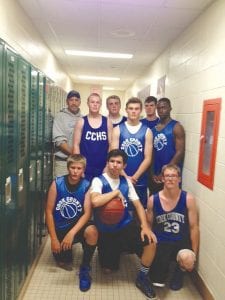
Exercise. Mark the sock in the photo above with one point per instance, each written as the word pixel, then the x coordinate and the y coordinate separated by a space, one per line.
pixel 88 251
pixel 144 270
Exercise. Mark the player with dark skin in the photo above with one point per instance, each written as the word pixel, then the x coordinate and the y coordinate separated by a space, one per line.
pixel 164 109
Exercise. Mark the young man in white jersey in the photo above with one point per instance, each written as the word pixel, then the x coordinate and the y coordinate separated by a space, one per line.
pixel 135 139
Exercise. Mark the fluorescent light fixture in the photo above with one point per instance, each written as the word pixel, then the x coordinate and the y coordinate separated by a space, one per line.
pixel 108 88
pixel 99 54
pixel 98 77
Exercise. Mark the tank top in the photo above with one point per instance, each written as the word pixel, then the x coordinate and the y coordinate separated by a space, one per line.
pixel 94 147
pixel 69 205
pixel 134 146
pixel 126 219
pixel 171 226
pixel 163 146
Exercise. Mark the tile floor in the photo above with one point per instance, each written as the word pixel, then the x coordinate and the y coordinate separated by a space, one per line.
pixel 49 282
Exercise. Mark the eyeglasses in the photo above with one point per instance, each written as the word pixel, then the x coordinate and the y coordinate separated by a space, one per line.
pixel 170 176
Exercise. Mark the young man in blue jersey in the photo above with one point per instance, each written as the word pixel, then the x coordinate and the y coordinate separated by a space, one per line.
pixel 168 143
pixel 151 118
pixel 135 139
pixel 113 105
pixel 92 137
pixel 68 213
pixel 127 234
pixel 173 216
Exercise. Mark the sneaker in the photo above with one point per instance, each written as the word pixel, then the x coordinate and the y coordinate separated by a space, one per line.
pixel 159 284
pixel 176 282
pixel 144 284
pixel 65 266
pixel 85 279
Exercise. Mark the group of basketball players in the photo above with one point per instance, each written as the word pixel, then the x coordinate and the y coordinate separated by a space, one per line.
pixel 114 153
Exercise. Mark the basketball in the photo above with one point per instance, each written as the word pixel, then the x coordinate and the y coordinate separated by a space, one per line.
pixel 112 212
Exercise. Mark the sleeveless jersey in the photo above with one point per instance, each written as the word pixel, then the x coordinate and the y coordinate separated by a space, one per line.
pixel 163 146
pixel 121 121
pixel 94 147
pixel 134 146
pixel 150 124
pixel 106 188
pixel 171 226
pixel 69 205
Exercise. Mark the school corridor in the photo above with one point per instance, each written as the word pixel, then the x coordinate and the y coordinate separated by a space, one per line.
pixel 48 282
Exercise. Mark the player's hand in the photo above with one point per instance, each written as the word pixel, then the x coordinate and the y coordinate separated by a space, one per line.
pixel 157 179
pixel 67 242
pixel 146 232
pixel 55 246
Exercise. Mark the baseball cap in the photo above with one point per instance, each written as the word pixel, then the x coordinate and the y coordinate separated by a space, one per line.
pixel 73 94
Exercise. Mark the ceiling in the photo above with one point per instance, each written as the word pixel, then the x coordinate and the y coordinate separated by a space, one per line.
pixel 143 28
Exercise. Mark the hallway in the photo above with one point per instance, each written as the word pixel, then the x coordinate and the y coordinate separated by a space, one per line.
pixel 48 282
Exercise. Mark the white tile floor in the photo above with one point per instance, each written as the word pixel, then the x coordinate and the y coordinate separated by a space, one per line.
pixel 49 282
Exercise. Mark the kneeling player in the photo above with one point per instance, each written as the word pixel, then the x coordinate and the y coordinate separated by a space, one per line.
pixel 68 214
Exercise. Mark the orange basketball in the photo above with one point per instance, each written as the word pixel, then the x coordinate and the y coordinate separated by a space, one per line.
pixel 112 212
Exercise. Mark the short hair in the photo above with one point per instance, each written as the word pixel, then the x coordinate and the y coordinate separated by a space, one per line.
pixel 171 167
pixel 94 94
pixel 134 100
pixel 76 158
pixel 112 97
pixel 117 152
pixel 166 100
pixel 150 99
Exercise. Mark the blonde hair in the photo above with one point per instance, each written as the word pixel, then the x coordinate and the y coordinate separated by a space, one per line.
pixel 171 167
pixel 76 158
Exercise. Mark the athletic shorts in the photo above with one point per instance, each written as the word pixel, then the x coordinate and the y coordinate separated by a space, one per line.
pixel 165 254
pixel 112 244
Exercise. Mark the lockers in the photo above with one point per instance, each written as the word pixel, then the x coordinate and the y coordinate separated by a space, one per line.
pixel 26 105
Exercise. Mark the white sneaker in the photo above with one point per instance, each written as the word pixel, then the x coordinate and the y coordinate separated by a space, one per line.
pixel 159 284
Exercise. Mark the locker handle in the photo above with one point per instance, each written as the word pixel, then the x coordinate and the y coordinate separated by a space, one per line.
pixel 45 161
pixel 20 180
pixel 8 190
pixel 31 173
pixel 38 167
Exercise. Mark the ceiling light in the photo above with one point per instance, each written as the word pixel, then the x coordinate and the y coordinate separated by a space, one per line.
pixel 99 54
pixel 98 77
pixel 108 88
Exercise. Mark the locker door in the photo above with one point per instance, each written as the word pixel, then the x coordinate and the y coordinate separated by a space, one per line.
pixel 10 173
pixel 2 176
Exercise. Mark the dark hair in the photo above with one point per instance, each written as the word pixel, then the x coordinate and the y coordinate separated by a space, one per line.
pixel 134 100
pixel 151 99
pixel 166 100
pixel 73 94
pixel 113 97
pixel 117 152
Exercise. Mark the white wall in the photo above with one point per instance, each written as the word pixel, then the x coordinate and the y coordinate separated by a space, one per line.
pixel 195 68
pixel 17 30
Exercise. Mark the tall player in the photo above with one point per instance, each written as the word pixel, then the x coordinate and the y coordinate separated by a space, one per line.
pixel 92 137
pixel 68 213
pixel 135 139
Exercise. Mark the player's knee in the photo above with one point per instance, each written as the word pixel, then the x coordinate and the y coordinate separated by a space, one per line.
pixel 91 235
pixel 186 259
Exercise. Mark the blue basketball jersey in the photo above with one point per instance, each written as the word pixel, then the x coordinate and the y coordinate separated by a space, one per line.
pixel 121 121
pixel 150 124
pixel 164 147
pixel 106 188
pixel 94 147
pixel 133 145
pixel 69 205
pixel 173 225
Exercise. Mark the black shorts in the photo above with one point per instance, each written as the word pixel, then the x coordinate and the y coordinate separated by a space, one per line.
pixel 165 254
pixel 112 244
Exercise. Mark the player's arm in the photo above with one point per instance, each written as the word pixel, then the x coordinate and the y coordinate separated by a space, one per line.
pixel 77 136
pixel 67 242
pixel 179 136
pixel 149 211
pixel 50 206
pixel 147 157
pixel 110 130
pixel 193 222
